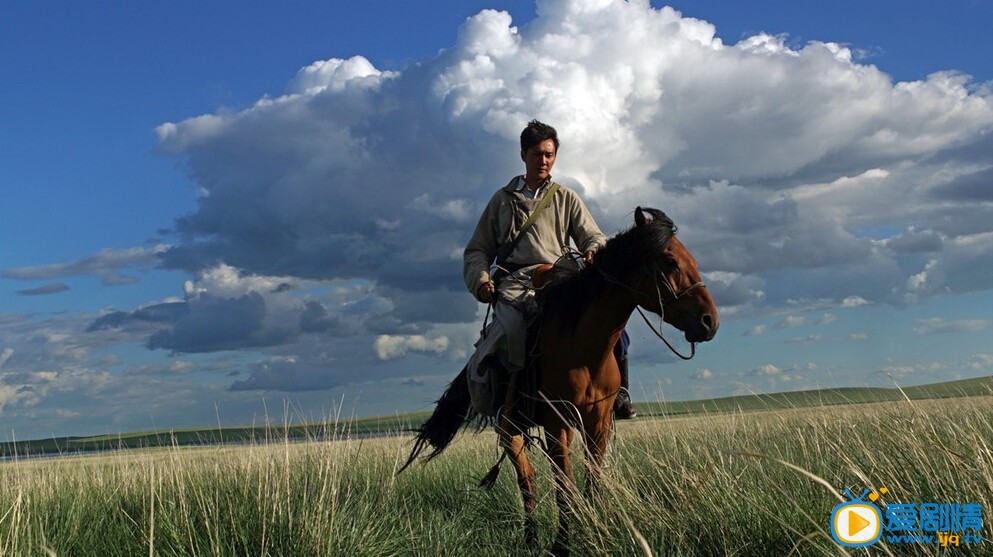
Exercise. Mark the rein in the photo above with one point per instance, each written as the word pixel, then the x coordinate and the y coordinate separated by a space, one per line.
pixel 673 296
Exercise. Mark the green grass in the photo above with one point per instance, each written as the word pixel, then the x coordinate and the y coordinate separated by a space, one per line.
pixel 398 424
pixel 701 485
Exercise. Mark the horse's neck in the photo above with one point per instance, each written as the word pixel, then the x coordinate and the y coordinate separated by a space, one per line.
pixel 606 317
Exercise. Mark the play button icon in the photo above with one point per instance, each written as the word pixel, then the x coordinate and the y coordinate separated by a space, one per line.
pixel 856 524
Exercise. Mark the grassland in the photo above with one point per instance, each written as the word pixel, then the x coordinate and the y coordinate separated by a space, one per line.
pixel 391 425
pixel 729 483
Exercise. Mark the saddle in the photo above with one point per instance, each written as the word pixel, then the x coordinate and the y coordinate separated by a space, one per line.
pixel 493 388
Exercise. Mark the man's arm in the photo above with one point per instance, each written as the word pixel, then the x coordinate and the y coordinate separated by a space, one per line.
pixel 583 229
pixel 480 252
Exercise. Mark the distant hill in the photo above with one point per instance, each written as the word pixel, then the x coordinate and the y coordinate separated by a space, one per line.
pixel 402 423
pixel 213 436
pixel 820 397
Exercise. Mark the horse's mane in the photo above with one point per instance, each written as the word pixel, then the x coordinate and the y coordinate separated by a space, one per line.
pixel 629 250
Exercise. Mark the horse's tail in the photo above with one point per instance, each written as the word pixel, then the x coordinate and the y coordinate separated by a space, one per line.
pixel 454 408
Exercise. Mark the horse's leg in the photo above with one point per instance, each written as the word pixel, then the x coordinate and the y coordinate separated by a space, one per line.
pixel 558 440
pixel 596 434
pixel 512 441
pixel 513 444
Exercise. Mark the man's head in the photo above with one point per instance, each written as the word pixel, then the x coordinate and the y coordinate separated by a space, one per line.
pixel 535 133
pixel 539 147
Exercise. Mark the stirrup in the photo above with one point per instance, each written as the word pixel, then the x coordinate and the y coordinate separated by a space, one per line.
pixel 623 407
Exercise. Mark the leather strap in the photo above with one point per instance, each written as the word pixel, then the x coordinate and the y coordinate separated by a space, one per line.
pixel 508 249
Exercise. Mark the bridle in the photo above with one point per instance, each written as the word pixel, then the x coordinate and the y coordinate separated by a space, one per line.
pixel 670 294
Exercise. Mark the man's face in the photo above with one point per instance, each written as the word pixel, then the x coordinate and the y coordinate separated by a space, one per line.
pixel 539 159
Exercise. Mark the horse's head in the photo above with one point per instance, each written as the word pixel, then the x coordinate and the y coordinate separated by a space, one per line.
pixel 671 285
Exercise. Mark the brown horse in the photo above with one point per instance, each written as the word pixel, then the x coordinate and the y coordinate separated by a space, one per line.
pixel 577 376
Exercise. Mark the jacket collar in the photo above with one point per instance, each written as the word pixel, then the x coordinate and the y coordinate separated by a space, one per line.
pixel 517 184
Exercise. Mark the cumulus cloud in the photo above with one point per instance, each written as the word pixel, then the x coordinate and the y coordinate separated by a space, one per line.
pixel 225 309
pixel 766 369
pixel 854 302
pixel 915 241
pixel 702 374
pixel 24 390
pixel 389 347
pixel 153 314
pixel 215 324
pixel 765 174
pixel 335 75
pixel 332 216
pixel 734 291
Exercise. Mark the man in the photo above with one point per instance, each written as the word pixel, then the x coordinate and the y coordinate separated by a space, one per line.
pixel 564 217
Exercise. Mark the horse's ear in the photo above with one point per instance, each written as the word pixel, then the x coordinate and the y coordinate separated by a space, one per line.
pixel 639 217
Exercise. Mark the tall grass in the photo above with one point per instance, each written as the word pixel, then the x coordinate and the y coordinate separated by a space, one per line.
pixel 735 484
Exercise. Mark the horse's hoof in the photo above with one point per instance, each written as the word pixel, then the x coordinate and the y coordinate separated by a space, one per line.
pixel 531 541
pixel 559 549
pixel 530 538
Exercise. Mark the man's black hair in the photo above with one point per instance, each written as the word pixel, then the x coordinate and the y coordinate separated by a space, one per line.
pixel 535 133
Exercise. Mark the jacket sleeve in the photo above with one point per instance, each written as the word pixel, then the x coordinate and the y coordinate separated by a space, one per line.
pixel 482 248
pixel 582 228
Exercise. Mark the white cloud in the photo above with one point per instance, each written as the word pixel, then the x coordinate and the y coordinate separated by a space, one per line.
pixel 641 96
pixel 766 369
pixel 854 302
pixel 774 157
pixel 702 374
pixel 981 362
pixel 458 210
pixel 827 319
pixel 332 215
pixel 792 321
pixel 896 371
pixel 336 74
pixel 389 347
pixel 756 330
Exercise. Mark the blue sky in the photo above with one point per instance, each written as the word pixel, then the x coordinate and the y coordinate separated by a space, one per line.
pixel 196 198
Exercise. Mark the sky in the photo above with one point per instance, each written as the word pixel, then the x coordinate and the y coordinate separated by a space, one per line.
pixel 234 212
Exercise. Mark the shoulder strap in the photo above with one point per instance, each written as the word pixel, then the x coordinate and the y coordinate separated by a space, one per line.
pixel 508 249
pixel 545 200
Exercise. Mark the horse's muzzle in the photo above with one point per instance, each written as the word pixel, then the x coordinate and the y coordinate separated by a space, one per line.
pixel 705 329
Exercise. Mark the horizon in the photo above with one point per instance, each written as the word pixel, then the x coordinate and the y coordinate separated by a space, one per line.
pixel 338 420
pixel 207 212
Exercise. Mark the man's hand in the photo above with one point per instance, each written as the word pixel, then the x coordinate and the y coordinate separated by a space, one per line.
pixel 588 257
pixel 485 292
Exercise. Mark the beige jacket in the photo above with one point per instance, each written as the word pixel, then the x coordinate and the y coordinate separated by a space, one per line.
pixel 566 218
